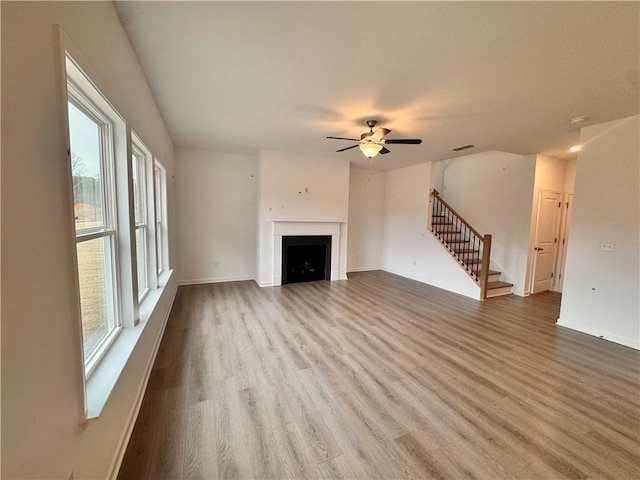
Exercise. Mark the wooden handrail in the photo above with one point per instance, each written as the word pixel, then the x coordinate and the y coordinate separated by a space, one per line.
pixel 437 194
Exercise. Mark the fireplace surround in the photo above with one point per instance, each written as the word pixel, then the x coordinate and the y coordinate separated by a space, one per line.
pixel 270 259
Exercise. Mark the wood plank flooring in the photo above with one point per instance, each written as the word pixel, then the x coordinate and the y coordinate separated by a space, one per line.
pixel 382 377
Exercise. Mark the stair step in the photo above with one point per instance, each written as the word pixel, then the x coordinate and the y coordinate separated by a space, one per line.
pixel 467 251
pixel 491 273
pixel 451 235
pixel 451 243
pixel 493 276
pixel 472 261
pixel 495 289
pixel 448 228
pixel 440 220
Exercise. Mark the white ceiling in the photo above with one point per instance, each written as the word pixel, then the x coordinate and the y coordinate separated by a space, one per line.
pixel 244 76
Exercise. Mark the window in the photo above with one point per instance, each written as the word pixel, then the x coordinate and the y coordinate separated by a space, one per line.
pixel 117 188
pixel 139 174
pixel 92 170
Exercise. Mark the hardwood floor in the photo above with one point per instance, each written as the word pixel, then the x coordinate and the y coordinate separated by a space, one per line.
pixel 382 377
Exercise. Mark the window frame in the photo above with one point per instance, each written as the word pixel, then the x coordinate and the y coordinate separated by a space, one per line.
pixel 96 386
pixel 140 156
pixel 78 97
pixel 160 214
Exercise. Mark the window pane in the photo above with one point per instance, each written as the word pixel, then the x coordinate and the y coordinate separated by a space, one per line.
pixel 139 191
pixel 94 274
pixel 141 255
pixel 86 169
pixel 157 177
pixel 136 187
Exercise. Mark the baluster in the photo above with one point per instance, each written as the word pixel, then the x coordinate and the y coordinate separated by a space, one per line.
pixel 434 208
pixel 454 227
pixel 467 248
pixel 472 240
pixel 472 247
pixel 476 246
pixel 465 254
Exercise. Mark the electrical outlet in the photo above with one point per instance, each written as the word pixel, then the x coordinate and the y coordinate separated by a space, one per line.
pixel 607 247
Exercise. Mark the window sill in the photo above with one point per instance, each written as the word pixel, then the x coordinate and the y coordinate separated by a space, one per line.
pixel 105 376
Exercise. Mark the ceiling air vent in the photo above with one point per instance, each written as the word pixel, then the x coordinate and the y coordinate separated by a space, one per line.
pixel 462 147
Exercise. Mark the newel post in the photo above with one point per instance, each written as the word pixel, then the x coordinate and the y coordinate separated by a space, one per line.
pixel 432 193
pixel 484 272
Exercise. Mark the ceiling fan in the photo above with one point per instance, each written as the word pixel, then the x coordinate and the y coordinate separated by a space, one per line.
pixel 371 143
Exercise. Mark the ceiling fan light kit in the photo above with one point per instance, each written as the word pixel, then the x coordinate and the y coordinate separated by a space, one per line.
pixel 370 149
pixel 371 143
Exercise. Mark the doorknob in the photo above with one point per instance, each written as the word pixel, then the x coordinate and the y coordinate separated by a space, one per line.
pixel 539 249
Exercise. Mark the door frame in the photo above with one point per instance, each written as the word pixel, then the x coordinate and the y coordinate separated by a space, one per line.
pixel 532 246
pixel 567 209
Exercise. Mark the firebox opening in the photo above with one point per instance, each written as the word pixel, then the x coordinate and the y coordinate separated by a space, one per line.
pixel 306 258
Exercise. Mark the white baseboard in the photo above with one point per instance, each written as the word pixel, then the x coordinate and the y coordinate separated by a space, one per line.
pixel 627 342
pixel 263 285
pixel 198 281
pixel 363 269
pixel 116 463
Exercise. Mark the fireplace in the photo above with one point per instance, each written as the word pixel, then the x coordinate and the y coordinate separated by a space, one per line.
pixel 306 258
pixel 270 250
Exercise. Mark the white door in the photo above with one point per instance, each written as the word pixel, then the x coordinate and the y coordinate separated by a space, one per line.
pixel 546 240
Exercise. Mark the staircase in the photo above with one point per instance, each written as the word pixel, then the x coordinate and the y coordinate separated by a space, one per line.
pixel 470 249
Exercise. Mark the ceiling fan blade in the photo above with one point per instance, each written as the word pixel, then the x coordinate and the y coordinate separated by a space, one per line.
pixel 348 148
pixel 407 141
pixel 380 133
pixel 384 150
pixel 342 138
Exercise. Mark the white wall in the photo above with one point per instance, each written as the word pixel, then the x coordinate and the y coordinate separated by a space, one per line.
pixel 570 175
pixel 493 192
pixel 298 188
pixel 304 188
pixel 409 249
pixel 550 174
pixel 216 206
pixel 366 219
pixel 601 291
pixel 41 391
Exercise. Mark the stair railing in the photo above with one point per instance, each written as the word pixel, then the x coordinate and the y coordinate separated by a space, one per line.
pixel 471 249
